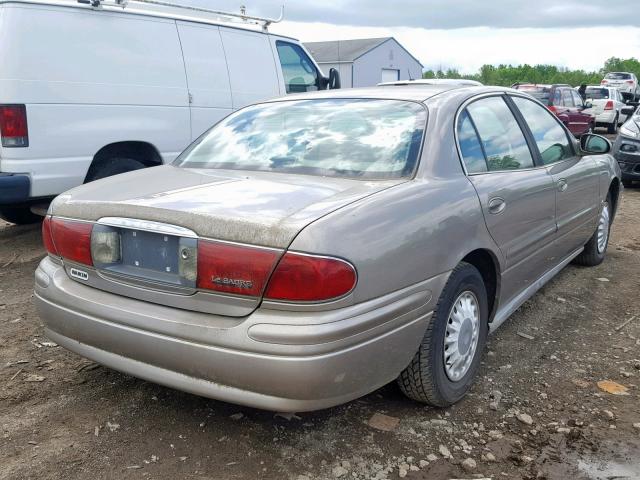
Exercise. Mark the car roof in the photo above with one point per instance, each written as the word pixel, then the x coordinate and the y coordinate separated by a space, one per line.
pixel 415 93
pixel 433 81
pixel 543 85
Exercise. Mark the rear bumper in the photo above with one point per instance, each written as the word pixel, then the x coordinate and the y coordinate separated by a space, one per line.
pixel 607 117
pixel 14 188
pixel 275 360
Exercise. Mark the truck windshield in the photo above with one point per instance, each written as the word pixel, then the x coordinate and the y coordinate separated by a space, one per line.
pixel 362 138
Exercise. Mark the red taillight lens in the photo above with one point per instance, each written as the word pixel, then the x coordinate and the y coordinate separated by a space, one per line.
pixel 603 82
pixel 552 109
pixel 609 105
pixel 47 237
pixel 630 82
pixel 230 268
pixel 72 240
pixel 307 278
pixel 13 126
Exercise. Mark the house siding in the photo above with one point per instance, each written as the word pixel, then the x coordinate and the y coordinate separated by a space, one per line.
pixel 367 70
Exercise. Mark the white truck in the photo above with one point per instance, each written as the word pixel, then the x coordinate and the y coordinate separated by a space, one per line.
pixel 93 88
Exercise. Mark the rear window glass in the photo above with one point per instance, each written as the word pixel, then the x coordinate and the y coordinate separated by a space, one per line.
pixel 597 93
pixel 541 93
pixel 618 76
pixel 360 138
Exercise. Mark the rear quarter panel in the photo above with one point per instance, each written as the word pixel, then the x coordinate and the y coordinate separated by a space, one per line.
pixel 403 235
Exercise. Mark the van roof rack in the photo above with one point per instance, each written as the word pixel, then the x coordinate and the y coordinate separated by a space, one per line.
pixel 215 15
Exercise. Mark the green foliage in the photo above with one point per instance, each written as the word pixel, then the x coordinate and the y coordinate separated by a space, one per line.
pixel 507 75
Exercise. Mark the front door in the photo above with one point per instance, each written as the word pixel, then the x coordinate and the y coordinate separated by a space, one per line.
pixel 517 197
pixel 575 178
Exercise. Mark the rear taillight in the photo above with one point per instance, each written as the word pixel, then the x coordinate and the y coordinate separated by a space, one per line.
pixel 71 239
pixel 47 236
pixel 552 109
pixel 13 126
pixel 630 82
pixel 308 278
pixel 609 105
pixel 604 82
pixel 230 268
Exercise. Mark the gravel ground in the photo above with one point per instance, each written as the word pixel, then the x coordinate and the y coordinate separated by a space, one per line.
pixel 536 410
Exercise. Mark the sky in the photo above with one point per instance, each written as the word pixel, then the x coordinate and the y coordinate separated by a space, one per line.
pixel 465 34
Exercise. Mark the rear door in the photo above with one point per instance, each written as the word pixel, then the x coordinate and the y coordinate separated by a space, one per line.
pixel 518 199
pixel 575 178
pixel 583 119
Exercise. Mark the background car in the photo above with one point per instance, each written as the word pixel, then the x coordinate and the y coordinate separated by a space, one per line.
pixel 308 250
pixel 626 148
pixel 565 102
pixel 626 82
pixel 607 104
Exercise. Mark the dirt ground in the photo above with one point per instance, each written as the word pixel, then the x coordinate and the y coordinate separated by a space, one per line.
pixel 535 411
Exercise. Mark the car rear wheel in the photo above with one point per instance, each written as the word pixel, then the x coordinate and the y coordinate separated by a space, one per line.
pixel 21 215
pixel 113 166
pixel 596 248
pixel 443 369
pixel 613 127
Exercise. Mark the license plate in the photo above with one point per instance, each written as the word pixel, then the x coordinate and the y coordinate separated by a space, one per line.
pixel 155 257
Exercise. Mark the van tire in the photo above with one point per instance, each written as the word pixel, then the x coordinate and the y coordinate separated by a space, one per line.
pixel 425 379
pixel 113 166
pixel 591 255
pixel 19 215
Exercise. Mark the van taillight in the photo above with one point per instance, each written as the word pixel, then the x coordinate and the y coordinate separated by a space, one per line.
pixel 68 239
pixel 310 278
pixel 231 268
pixel 13 126
pixel 609 105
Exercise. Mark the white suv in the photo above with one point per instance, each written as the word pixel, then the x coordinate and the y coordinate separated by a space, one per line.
pixel 625 82
pixel 95 88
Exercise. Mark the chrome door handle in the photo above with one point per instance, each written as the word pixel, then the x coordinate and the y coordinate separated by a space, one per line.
pixel 497 205
pixel 562 185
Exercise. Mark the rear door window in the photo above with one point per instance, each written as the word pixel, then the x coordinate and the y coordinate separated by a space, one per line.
pixel 504 144
pixel 567 98
pixel 470 148
pixel 300 74
pixel 551 139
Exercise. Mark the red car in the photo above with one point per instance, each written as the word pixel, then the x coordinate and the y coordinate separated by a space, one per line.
pixel 565 102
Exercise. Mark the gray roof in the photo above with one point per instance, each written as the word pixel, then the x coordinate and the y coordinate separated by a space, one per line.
pixel 347 50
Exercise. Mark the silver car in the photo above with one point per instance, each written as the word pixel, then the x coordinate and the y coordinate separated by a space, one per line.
pixel 308 250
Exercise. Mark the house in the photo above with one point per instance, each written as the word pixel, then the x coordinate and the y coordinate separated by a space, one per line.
pixel 366 62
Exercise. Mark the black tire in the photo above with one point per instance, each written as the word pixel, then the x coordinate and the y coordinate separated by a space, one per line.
pixel 627 183
pixel 591 255
pixel 425 379
pixel 21 215
pixel 613 127
pixel 113 166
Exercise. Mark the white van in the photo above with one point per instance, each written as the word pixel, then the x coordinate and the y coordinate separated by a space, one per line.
pixel 94 88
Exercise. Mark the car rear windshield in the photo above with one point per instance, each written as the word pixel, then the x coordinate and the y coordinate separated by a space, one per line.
pixel 618 76
pixel 360 138
pixel 541 93
pixel 597 93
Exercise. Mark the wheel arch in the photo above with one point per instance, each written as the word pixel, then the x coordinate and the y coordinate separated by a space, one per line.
pixel 144 152
pixel 488 266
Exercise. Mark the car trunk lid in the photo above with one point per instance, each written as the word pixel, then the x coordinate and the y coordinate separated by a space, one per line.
pixel 160 213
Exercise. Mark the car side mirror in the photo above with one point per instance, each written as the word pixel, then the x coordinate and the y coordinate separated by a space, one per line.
pixel 334 79
pixel 627 111
pixel 595 144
